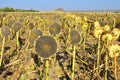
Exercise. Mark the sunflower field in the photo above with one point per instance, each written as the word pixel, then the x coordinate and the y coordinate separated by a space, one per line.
pixel 59 46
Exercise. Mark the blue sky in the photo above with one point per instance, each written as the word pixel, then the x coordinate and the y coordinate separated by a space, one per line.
pixel 66 4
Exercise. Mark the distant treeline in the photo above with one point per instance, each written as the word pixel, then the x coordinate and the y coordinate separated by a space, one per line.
pixel 10 9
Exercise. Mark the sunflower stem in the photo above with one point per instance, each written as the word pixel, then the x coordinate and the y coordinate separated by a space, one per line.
pixel 28 41
pixel 106 62
pixel 41 75
pixel 88 32
pixel 27 46
pixel 0 33
pixel 47 69
pixel 114 24
pixel 84 34
pixel 54 63
pixel 81 34
pixel 54 58
pixel 115 70
pixel 73 62
pixel 2 51
pixel 106 66
pixel 84 41
pixel 98 54
pixel 39 60
pixel 18 44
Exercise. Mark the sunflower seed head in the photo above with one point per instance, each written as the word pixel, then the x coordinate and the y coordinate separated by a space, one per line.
pixel 16 26
pixel 5 31
pixel 34 35
pixel 46 46
pixel 75 36
pixel 54 29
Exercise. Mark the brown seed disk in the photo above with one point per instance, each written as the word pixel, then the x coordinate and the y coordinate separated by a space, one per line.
pixel 5 30
pixel 46 46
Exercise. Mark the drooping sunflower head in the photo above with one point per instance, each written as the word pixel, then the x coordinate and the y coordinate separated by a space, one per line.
pixel 16 26
pixel 31 26
pixel 10 22
pixel 98 32
pixel 34 35
pixel 45 46
pixel 114 50
pixel 75 36
pixel 21 20
pixel 3 15
pixel 96 24
pixel 85 18
pixel 116 33
pixel 5 31
pixel 85 26
pixel 70 23
pixel 107 37
pixel 55 28
pixel 106 28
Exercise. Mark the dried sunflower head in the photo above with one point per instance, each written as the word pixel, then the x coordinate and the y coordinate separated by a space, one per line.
pixel 46 46
pixel 106 28
pixel 5 31
pixel 70 23
pixel 98 32
pixel 34 35
pixel 116 33
pixel 85 26
pixel 10 22
pixel 31 26
pixel 96 24
pixel 21 20
pixel 75 36
pixel 3 15
pixel 54 29
pixel 114 50
pixel 85 18
pixel 107 37
pixel 16 26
